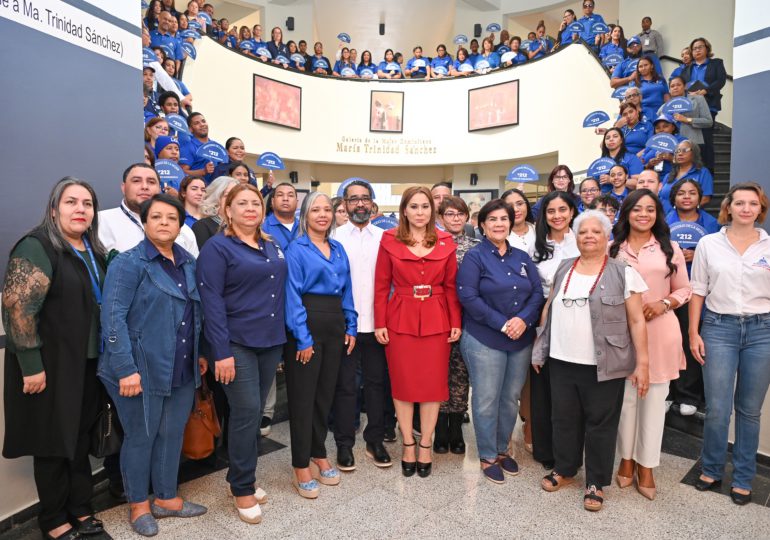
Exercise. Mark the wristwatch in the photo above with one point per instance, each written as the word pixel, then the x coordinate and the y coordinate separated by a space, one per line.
pixel 667 303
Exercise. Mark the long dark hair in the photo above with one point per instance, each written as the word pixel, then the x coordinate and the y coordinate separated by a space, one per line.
pixel 528 218
pixel 660 230
pixel 621 149
pixel 544 250
pixel 654 75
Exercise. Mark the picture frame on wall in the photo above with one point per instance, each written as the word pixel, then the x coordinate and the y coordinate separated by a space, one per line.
pixel 277 103
pixel 493 106
pixel 476 198
pixel 386 112
pixel 301 194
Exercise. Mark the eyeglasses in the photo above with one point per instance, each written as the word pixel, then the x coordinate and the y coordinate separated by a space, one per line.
pixel 561 177
pixel 453 215
pixel 579 302
pixel 590 190
pixel 682 150
pixel 635 94
pixel 698 47
pixel 356 200
pixel 588 5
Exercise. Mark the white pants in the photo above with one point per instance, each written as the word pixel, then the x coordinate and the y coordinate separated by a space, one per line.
pixel 640 432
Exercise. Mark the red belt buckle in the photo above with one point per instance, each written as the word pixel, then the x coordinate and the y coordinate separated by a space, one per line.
pixel 422 291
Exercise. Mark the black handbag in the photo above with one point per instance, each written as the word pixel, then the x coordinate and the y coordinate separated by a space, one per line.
pixel 107 433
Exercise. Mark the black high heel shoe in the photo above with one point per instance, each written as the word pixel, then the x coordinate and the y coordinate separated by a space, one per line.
pixel 408 467
pixel 423 469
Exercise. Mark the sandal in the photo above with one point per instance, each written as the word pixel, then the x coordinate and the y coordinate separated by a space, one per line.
pixel 554 481
pixel 592 501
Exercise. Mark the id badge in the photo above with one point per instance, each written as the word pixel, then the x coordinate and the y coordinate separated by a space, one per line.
pixel 646 42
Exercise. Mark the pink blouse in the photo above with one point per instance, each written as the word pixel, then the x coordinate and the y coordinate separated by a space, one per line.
pixel 664 337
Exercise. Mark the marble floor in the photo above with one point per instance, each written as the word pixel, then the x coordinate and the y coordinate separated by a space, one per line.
pixel 455 501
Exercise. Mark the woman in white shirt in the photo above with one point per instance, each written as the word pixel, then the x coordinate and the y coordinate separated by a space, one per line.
pixel 731 275
pixel 594 337
pixel 523 232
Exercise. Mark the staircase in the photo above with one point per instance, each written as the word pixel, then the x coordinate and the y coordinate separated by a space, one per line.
pixel 723 136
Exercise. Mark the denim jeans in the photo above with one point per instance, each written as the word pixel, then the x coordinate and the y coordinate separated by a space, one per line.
pixel 497 378
pixel 246 395
pixel 737 358
pixel 152 440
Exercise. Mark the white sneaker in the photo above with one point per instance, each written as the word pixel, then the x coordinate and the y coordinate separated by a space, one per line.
pixel 668 405
pixel 687 410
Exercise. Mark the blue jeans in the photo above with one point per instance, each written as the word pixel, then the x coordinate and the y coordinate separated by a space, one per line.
pixel 152 446
pixel 736 348
pixel 246 395
pixel 497 378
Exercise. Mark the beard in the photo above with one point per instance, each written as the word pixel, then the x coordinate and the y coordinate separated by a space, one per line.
pixel 360 217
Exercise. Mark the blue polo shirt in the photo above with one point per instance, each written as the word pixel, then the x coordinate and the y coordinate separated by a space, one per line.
pixel 367 71
pixel 279 232
pixel 444 61
pixel 636 137
pixel 620 197
pixel 420 68
pixel 320 63
pixel 188 156
pixel 242 294
pixel 383 66
pixel 652 97
pixel 534 45
pixel 339 65
pixel 157 39
pixel 698 72
pixel 494 288
pixel 566 37
pixel 702 176
pixel 627 67
pixel 492 60
pixel 520 58
pixel 632 163
pixel 587 34
pixel 611 48
pixel 457 64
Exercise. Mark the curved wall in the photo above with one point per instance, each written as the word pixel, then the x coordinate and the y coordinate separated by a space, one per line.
pixel 555 95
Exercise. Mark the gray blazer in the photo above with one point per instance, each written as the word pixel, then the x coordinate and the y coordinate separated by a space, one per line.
pixel 701 119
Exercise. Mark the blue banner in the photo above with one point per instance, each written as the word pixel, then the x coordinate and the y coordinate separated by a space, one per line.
pixel 440 70
pixel 523 173
pixel 367 73
pixel 246 45
pixel 679 105
pixel 213 152
pixel 662 142
pixel 321 63
pixel 632 65
pixel 195 25
pixel 620 92
pixel 178 123
pixel 503 49
pixel 205 16
pixel 262 51
pixel 385 222
pixel 575 28
pixel 600 166
pixel 168 50
pixel 612 60
pixel 281 59
pixel 392 66
pixel 493 27
pixel 186 34
pixel 298 59
pixel 170 173
pixel 348 72
pixel 420 62
pixel 507 57
pixel 189 48
pixel 344 37
pixel 460 39
pixel 596 118
pixel 600 28
pixel 269 160
pixel 687 233
pixel 482 64
pixel 148 56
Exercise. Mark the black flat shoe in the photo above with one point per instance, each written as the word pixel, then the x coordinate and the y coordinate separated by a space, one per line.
pixel 424 469
pixel 702 485
pixel 740 498
pixel 408 467
pixel 345 460
pixel 378 453
pixel 89 526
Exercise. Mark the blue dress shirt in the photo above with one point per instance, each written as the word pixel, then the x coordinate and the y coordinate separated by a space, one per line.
pixel 493 288
pixel 310 272
pixel 242 292
pixel 279 232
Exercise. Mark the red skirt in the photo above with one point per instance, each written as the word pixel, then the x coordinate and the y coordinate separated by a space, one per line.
pixel 419 367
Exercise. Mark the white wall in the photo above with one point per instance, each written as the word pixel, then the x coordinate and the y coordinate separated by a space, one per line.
pixel 550 113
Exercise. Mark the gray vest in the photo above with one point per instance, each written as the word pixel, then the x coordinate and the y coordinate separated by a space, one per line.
pixel 613 349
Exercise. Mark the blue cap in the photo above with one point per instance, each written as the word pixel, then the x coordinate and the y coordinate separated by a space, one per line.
pixel 664 118
pixel 162 142
pixel 632 40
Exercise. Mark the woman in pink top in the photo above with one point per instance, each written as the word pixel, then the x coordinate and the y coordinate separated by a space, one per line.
pixel 642 239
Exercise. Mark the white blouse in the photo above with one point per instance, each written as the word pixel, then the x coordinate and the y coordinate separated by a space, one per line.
pixel 526 243
pixel 566 249
pixel 733 284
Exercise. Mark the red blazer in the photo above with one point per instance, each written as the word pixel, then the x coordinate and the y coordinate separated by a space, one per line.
pixel 401 269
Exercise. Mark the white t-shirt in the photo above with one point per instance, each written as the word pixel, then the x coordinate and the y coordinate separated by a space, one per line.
pixel 566 249
pixel 572 335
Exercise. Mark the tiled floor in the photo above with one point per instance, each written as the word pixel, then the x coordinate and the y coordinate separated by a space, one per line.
pixel 455 501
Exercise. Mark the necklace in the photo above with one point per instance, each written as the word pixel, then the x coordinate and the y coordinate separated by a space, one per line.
pixel 596 281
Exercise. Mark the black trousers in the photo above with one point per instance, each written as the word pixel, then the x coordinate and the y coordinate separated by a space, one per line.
pixel 688 388
pixel 540 411
pixel 371 356
pixel 65 486
pixel 585 415
pixel 310 387
pixel 707 148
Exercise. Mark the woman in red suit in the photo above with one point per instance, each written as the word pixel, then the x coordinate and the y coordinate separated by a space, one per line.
pixel 419 321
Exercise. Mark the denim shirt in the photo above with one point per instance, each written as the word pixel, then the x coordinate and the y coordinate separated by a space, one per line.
pixel 142 309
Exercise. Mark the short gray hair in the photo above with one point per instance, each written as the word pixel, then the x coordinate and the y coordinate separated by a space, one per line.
pixel 210 204
pixel 604 221
pixel 306 204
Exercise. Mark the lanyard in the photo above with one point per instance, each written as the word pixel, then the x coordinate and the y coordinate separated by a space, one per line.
pixel 94 278
pixel 131 217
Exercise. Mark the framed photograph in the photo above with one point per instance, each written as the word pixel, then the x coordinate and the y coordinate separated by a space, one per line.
pixel 476 198
pixel 386 112
pixel 277 103
pixel 301 194
pixel 493 106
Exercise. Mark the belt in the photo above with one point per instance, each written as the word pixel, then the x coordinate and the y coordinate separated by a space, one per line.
pixel 420 291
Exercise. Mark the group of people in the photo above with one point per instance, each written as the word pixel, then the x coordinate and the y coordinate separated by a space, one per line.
pixel 579 326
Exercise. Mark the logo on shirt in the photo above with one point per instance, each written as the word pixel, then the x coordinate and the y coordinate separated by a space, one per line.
pixel 523 271
pixel 278 249
pixel 762 263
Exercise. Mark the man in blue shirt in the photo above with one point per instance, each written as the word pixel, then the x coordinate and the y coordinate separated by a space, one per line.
pixel 417 67
pixel 163 36
pixel 191 164
pixel 589 19
pixel 282 224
